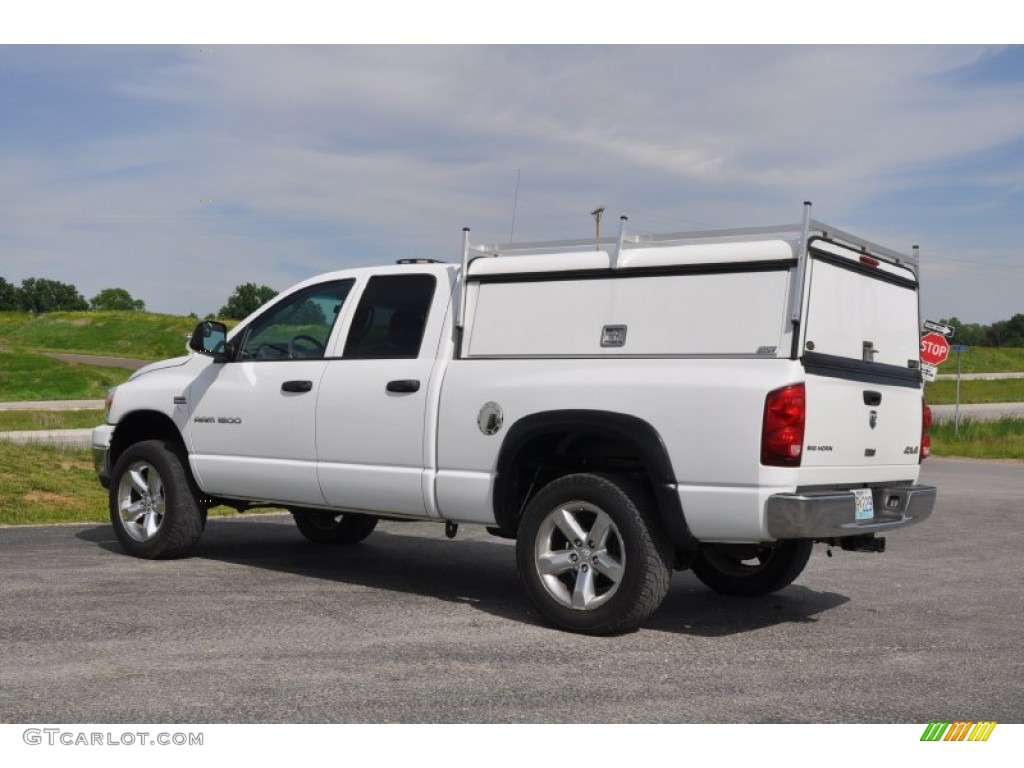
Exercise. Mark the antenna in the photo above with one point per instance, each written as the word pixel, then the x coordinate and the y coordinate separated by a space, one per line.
pixel 596 213
pixel 515 205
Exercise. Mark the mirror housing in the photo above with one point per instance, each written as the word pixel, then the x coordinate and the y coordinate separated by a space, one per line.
pixel 210 338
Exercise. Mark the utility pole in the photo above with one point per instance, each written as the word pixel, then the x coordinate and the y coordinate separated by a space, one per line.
pixel 596 213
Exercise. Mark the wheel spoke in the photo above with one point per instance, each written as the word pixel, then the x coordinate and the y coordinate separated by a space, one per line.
pixel 132 512
pixel 583 593
pixel 156 487
pixel 151 522
pixel 555 563
pixel 567 523
pixel 139 481
pixel 599 531
pixel 608 566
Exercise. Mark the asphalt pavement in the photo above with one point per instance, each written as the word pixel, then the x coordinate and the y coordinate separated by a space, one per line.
pixel 259 626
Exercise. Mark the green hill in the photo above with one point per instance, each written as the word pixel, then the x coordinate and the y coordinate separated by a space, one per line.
pixel 140 335
pixel 26 376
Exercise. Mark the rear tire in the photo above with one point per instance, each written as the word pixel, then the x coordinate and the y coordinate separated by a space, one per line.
pixel 749 570
pixel 333 528
pixel 153 504
pixel 588 557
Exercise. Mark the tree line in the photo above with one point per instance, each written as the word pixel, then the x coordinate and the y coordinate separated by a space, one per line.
pixel 1003 333
pixel 39 295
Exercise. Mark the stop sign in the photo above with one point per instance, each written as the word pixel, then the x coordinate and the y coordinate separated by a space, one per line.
pixel 934 348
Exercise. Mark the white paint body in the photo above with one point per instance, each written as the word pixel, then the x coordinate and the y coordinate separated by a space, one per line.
pixel 708 337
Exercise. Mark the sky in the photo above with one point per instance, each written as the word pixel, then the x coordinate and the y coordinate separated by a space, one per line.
pixel 180 171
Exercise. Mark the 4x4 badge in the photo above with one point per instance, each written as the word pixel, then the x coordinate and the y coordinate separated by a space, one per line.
pixel 873 419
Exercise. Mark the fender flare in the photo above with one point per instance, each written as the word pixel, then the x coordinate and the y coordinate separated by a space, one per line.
pixel 618 426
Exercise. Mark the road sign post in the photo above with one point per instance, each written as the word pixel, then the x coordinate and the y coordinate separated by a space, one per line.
pixel 934 351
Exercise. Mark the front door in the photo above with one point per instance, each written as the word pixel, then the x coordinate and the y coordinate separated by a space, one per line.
pixel 253 419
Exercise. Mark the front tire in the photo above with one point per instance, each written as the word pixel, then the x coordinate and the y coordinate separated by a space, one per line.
pixel 588 556
pixel 153 504
pixel 749 570
pixel 331 528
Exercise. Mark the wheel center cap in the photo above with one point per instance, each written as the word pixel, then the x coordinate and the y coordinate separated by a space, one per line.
pixel 585 554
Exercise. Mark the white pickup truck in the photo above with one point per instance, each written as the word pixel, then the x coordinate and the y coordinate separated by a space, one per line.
pixel 621 407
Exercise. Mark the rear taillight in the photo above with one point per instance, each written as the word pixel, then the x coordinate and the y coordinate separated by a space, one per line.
pixel 782 432
pixel 926 430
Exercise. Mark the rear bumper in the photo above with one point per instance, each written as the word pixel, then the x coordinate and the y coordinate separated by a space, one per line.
pixel 831 514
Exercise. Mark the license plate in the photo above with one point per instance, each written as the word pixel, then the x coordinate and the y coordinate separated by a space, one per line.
pixel 863 504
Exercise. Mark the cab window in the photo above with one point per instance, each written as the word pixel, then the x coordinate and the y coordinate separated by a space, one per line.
pixel 390 319
pixel 299 327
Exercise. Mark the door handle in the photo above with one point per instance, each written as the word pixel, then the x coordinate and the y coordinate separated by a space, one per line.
pixel 297 386
pixel 872 398
pixel 403 385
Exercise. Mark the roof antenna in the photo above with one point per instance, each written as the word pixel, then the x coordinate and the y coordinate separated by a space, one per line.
pixel 596 213
pixel 515 205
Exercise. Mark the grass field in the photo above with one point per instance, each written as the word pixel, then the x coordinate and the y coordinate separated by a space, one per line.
pixel 140 335
pixel 985 360
pixel 14 421
pixel 49 484
pixel 42 483
pixel 1002 439
pixel 1001 391
pixel 29 376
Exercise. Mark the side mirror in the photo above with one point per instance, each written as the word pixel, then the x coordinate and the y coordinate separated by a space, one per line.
pixel 210 338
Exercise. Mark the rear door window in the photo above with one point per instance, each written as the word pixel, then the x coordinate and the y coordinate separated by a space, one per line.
pixel 390 319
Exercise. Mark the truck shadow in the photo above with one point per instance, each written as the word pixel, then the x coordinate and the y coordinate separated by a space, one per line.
pixel 473 570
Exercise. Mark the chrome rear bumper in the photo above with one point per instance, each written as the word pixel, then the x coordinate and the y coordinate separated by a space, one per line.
pixel 831 514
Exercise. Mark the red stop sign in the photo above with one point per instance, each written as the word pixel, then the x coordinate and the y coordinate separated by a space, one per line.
pixel 934 348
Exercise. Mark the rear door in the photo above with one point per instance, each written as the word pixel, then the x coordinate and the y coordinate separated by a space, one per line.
pixel 860 349
pixel 372 411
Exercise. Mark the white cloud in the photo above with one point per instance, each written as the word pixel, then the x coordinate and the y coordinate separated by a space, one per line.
pixel 316 157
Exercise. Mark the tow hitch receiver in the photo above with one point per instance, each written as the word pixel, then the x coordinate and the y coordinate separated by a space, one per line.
pixel 866 543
